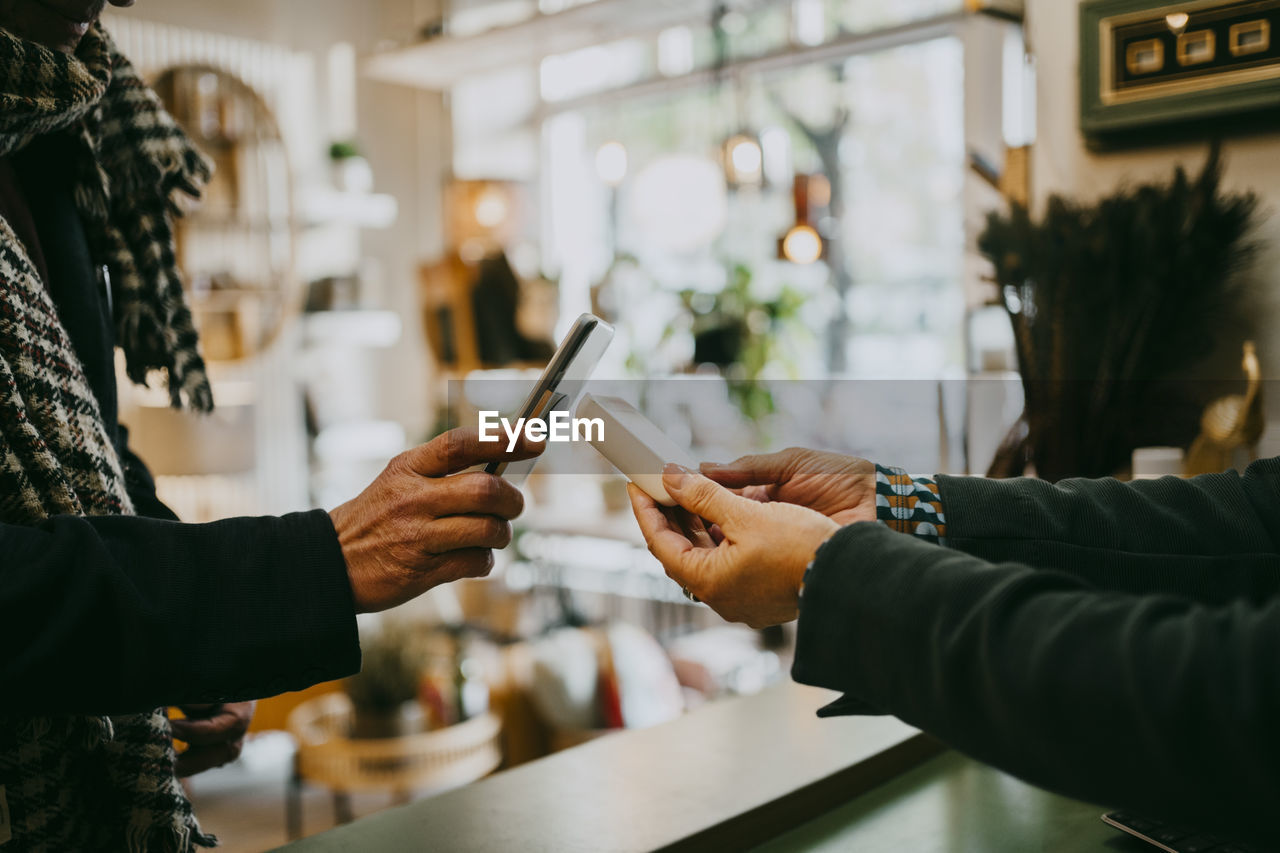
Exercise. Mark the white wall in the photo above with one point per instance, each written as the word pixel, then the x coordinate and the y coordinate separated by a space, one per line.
pixel 1062 164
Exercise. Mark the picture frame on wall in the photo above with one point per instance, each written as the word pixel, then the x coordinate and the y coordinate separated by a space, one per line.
pixel 1205 66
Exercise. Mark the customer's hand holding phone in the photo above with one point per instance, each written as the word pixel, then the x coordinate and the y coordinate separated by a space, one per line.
pixel 752 571
pixel 426 520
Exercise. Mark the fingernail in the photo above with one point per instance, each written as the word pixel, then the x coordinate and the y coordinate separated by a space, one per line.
pixel 674 476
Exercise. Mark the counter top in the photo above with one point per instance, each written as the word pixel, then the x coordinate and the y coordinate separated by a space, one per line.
pixel 728 776
pixel 953 804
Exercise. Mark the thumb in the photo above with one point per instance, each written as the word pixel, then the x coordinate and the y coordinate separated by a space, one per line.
pixel 704 498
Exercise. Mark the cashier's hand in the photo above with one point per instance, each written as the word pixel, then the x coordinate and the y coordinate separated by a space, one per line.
pixel 214 735
pixel 753 572
pixel 423 523
pixel 843 488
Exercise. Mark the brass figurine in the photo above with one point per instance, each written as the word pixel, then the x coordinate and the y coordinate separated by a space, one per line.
pixel 1230 423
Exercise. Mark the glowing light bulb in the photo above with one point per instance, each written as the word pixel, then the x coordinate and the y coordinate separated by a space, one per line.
pixel 746 157
pixel 491 208
pixel 611 163
pixel 1177 21
pixel 802 245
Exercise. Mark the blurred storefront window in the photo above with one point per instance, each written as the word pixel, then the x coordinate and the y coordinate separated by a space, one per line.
pixel 667 219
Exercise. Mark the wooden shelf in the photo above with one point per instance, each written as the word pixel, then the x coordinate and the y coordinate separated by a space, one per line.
pixel 231 222
pixel 320 206
pixel 357 328
pixel 440 63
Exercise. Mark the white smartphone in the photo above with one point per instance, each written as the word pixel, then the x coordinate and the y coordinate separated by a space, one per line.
pixel 633 444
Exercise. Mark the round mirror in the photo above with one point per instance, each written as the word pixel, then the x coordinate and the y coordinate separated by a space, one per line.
pixel 236 247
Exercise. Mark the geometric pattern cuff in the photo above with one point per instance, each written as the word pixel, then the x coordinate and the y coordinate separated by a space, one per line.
pixel 910 504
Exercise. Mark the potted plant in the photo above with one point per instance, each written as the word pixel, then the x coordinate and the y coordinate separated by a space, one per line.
pixel 351 171
pixel 739 333
pixel 384 694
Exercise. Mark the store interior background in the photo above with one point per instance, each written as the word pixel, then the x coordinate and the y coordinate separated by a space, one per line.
pixel 918 111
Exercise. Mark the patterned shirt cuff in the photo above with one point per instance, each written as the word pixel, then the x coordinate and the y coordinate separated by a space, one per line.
pixel 910 504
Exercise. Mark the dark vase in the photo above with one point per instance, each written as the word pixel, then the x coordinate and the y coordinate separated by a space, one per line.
pixel 720 345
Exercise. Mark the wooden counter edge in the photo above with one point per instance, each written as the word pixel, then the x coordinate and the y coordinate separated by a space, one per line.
pixel 779 816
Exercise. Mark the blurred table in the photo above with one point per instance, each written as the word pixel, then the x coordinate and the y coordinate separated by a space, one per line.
pixel 327 756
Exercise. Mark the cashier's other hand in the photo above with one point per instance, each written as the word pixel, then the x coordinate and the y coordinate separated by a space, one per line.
pixel 843 488
pixel 426 520
pixel 754 571
pixel 214 735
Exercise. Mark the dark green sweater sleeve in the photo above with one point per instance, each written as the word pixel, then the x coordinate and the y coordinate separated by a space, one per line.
pixel 122 614
pixel 1157 704
pixel 1214 538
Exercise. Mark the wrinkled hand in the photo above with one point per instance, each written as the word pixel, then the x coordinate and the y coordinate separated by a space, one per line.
pixel 422 524
pixel 843 488
pixel 215 734
pixel 752 573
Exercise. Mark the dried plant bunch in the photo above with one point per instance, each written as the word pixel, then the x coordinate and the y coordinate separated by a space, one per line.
pixel 1113 305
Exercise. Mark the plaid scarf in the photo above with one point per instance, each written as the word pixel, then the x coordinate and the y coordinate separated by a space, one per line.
pixel 91 783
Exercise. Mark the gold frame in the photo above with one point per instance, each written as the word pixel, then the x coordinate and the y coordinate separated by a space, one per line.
pixel 1261 25
pixel 1132 64
pixel 1110 97
pixel 1185 41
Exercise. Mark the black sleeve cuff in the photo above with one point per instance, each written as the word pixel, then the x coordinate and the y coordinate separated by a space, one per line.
pixel 849 706
pixel 299 616
pixel 828 627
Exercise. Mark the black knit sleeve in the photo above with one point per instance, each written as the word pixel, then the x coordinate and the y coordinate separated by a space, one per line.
pixel 1153 703
pixel 122 614
pixel 1214 538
